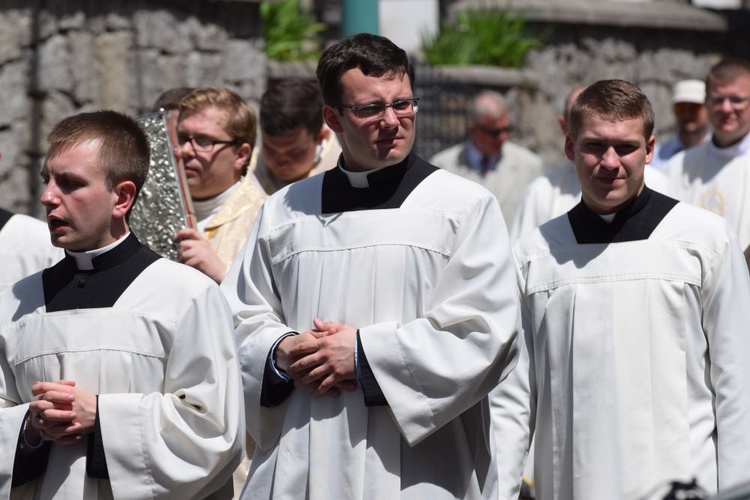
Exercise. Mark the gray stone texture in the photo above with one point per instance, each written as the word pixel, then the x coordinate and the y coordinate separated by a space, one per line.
pixel 77 55
pixel 73 56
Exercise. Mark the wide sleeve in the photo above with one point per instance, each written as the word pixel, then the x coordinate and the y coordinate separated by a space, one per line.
pixel 186 441
pixel 513 409
pixel 12 414
pixel 259 322
pixel 434 368
pixel 726 316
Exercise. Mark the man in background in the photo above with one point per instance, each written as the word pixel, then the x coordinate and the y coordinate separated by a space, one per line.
pixel 715 175
pixel 691 118
pixel 488 157
pixel 216 132
pixel 295 143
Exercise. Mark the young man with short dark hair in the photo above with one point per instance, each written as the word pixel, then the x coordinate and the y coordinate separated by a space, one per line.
pixel 375 308
pixel 118 373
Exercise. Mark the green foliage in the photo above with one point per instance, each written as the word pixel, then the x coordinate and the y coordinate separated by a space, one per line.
pixel 290 33
pixel 484 36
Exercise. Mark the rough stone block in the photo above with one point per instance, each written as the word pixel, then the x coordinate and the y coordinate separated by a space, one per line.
pixel 14 34
pixel 243 61
pixel 159 73
pixel 208 36
pixel 113 56
pixel 14 89
pixel 160 29
pixel 55 64
pixel 203 69
pixel 82 53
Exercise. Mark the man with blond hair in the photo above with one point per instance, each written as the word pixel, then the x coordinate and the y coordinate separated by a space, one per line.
pixel 216 132
pixel 714 175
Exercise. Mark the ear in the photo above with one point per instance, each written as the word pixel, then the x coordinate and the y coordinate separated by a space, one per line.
pixel 333 118
pixel 125 193
pixel 321 135
pixel 244 151
pixel 570 151
pixel 563 124
pixel 650 149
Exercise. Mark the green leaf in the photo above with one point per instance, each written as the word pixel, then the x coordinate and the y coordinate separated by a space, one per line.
pixel 290 33
pixel 482 36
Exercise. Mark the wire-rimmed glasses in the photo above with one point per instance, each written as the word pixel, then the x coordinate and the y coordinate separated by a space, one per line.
pixel 402 108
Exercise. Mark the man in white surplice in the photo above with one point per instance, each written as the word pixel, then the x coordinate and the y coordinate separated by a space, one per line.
pixel 635 368
pixel 376 308
pixel 118 373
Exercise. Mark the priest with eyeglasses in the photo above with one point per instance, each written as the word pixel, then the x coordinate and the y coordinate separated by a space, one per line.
pixel 376 307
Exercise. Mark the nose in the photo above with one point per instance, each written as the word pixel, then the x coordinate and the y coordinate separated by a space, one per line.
pixel 184 149
pixel 49 196
pixel 390 119
pixel 726 105
pixel 610 158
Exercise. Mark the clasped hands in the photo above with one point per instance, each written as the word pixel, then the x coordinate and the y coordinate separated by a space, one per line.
pixel 322 359
pixel 62 413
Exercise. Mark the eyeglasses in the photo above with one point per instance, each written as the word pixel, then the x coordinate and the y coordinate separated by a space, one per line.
pixel 203 144
pixel 494 132
pixel 402 108
pixel 736 102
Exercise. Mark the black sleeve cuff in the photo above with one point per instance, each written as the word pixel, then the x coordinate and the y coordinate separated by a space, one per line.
pixel 29 463
pixel 274 389
pixel 373 394
pixel 96 461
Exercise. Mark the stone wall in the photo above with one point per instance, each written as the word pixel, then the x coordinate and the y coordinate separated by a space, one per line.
pixel 653 44
pixel 60 57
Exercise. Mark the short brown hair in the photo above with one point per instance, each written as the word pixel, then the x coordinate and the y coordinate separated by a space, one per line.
pixel 241 121
pixel 124 151
pixel 728 70
pixel 612 99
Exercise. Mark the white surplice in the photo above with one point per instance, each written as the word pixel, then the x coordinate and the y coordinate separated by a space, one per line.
pixel 718 180
pixel 25 248
pixel 431 287
pixel 163 363
pixel 636 360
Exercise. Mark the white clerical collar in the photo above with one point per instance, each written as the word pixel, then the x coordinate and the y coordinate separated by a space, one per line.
pixel 738 149
pixel 84 260
pixel 608 218
pixel 358 179
pixel 206 209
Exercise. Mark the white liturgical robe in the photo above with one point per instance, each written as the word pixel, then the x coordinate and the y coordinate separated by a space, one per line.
pixel 153 339
pixel 25 247
pixel 417 259
pixel 716 179
pixel 636 356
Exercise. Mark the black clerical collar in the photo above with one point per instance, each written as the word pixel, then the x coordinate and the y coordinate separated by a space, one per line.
pixel 4 217
pixel 634 222
pixel 66 287
pixel 387 187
